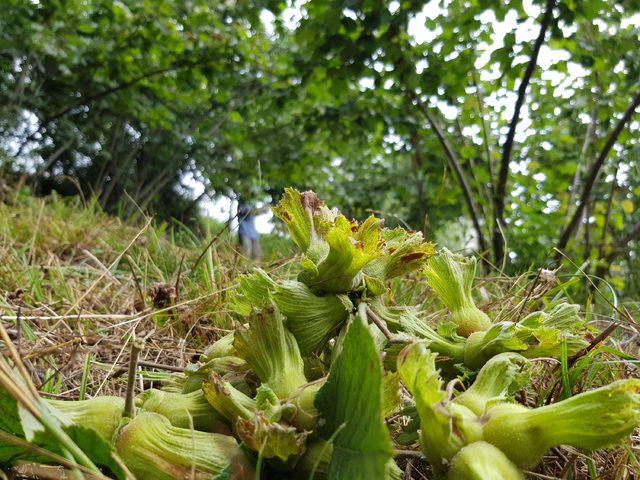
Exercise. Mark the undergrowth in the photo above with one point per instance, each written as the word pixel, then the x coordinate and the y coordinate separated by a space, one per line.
pixel 77 285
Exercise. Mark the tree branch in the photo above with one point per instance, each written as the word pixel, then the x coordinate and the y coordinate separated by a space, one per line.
pixel 457 168
pixel 501 187
pixel 476 185
pixel 594 170
pixel 485 133
pixel 178 65
pixel 607 217
pixel 122 86
pixel 589 134
pixel 53 157
pixel 416 164
pixel 621 244
pixel 617 248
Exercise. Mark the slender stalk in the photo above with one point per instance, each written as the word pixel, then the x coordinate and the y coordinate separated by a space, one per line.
pixel 75 474
pixel 47 472
pixel 160 366
pixel 129 406
pixel 135 280
pixel 382 325
pixel 409 454
pixel 82 395
pixel 17 361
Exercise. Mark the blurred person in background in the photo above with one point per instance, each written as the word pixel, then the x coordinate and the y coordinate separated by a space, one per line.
pixel 248 236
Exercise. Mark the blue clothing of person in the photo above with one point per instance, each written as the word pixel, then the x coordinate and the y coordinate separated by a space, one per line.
pixel 247 223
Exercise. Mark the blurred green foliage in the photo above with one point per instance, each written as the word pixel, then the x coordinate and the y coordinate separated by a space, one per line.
pixel 131 101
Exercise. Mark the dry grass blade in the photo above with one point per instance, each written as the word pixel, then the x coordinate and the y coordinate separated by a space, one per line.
pixel 108 270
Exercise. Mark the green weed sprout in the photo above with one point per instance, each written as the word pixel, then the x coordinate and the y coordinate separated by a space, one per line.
pixel 153 448
pixel 482 461
pixel 451 277
pixel 591 420
pixel 185 410
pixel 102 414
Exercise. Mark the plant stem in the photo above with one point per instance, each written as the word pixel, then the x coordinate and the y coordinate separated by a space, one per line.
pixel 383 326
pixel 129 407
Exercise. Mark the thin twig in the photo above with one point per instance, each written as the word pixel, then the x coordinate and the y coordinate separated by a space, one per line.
pixel 19 330
pixel 625 314
pixel 89 316
pixel 485 132
pixel 409 454
pixel 160 366
pixel 135 280
pixel 100 265
pixel 31 470
pixel 17 361
pixel 129 407
pixel 115 262
pixel 407 469
pixel 227 224
pixel 571 362
pixel 591 128
pixel 607 217
pixel 384 329
pixel 9 439
pixel 526 299
pixel 619 246
pixel 593 344
pixel 176 287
